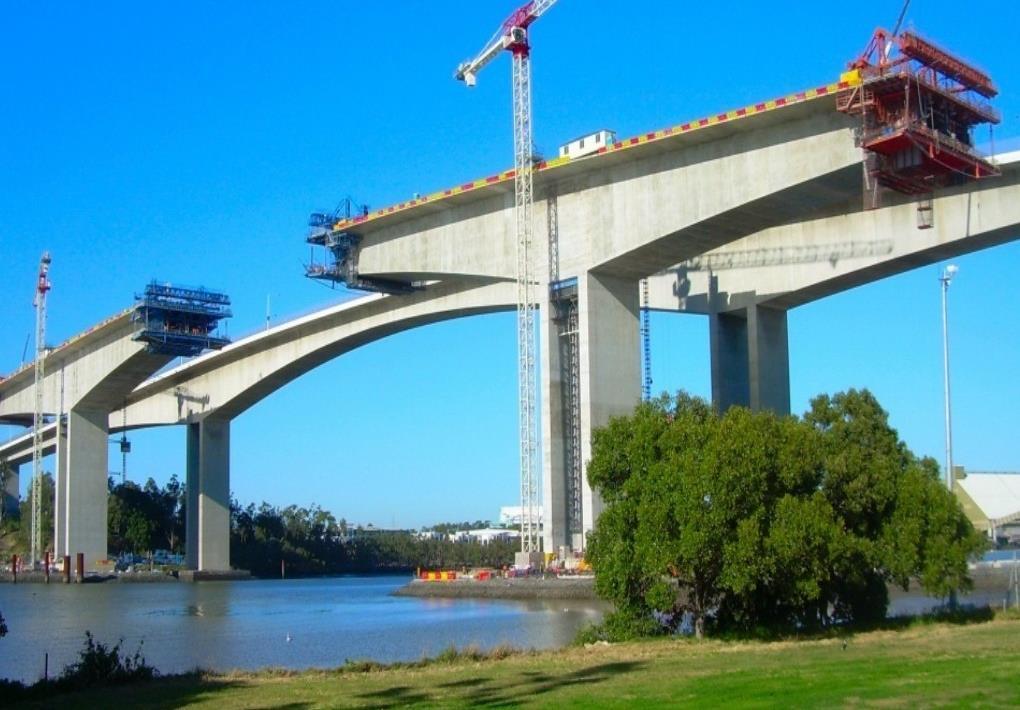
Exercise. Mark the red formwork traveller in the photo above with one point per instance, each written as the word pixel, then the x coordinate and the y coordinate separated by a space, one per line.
pixel 918 106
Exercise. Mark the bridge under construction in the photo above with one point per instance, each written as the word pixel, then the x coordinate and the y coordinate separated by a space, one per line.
pixel 739 216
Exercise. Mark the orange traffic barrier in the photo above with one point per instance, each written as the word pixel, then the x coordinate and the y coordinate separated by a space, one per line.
pixel 438 576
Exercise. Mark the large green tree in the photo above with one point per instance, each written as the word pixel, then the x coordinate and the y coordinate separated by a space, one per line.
pixel 146 518
pixel 6 474
pixel 759 520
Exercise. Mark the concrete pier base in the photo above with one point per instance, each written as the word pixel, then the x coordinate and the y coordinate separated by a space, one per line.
pixel 208 490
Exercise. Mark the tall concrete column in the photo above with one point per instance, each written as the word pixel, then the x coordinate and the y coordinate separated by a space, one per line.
pixel 554 445
pixel 60 493
pixel 208 491
pixel 750 359
pixel 85 503
pixel 610 385
pixel 610 364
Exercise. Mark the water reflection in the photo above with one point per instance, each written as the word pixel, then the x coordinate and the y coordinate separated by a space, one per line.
pixel 292 623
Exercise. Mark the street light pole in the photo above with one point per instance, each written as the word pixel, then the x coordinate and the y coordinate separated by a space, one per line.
pixel 947 275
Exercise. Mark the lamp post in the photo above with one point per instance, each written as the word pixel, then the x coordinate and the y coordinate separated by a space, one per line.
pixel 947 275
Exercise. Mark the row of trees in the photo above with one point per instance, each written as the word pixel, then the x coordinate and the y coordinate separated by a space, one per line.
pixel 144 518
pixel 309 541
pixel 140 518
pixel 750 520
pixel 312 541
pixel 16 526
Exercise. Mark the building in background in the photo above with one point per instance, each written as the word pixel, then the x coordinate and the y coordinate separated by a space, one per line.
pixel 511 515
pixel 992 502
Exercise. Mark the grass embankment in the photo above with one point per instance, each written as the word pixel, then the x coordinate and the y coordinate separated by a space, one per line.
pixel 921 665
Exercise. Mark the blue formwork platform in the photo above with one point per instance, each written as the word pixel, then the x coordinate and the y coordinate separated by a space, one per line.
pixel 176 320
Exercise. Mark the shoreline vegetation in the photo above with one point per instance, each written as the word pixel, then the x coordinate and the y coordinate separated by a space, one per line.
pixel 146 524
pixel 961 658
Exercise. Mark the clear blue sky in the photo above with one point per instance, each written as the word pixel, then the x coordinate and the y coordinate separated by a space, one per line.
pixel 189 141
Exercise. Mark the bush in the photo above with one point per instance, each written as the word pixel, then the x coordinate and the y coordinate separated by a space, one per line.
pixel 99 664
pixel 12 691
pixel 619 626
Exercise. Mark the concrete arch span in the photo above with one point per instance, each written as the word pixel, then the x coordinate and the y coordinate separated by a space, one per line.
pixel 226 383
pixel 208 392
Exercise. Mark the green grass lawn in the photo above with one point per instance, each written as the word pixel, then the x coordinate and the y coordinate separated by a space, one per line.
pixel 923 665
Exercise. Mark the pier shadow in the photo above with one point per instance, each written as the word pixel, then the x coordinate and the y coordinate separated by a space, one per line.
pixel 507 690
pixel 167 692
pixel 398 695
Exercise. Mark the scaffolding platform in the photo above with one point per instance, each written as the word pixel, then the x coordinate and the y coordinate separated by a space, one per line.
pixel 175 320
pixel 341 264
pixel 918 109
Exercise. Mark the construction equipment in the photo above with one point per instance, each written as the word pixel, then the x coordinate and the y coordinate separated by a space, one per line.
pixel 125 446
pixel 512 36
pixel 918 106
pixel 342 246
pixel 180 321
pixel 563 303
pixel 646 344
pixel 41 288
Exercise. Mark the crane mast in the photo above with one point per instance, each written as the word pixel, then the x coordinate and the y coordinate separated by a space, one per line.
pixel 513 37
pixel 42 286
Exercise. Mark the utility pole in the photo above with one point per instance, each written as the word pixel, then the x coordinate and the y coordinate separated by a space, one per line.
pixel 945 278
pixel 42 286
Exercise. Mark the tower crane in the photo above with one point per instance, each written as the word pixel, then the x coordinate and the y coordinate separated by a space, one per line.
pixel 42 286
pixel 512 36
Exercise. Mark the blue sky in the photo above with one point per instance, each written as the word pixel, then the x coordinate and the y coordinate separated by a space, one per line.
pixel 189 141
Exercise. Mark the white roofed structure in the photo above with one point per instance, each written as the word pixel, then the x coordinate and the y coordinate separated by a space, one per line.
pixel 994 495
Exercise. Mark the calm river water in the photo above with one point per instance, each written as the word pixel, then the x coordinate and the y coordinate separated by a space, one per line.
pixel 224 625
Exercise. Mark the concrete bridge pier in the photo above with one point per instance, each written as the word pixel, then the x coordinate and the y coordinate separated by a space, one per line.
pixel 750 359
pixel 207 535
pixel 60 492
pixel 80 505
pixel 608 384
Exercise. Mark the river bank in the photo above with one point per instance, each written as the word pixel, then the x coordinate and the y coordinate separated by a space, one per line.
pixel 906 666
pixel 292 623
pixel 137 577
pixel 991 583
pixel 579 588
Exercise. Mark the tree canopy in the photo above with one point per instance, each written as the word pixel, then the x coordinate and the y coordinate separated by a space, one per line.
pixel 312 541
pixel 748 519
pixel 146 518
